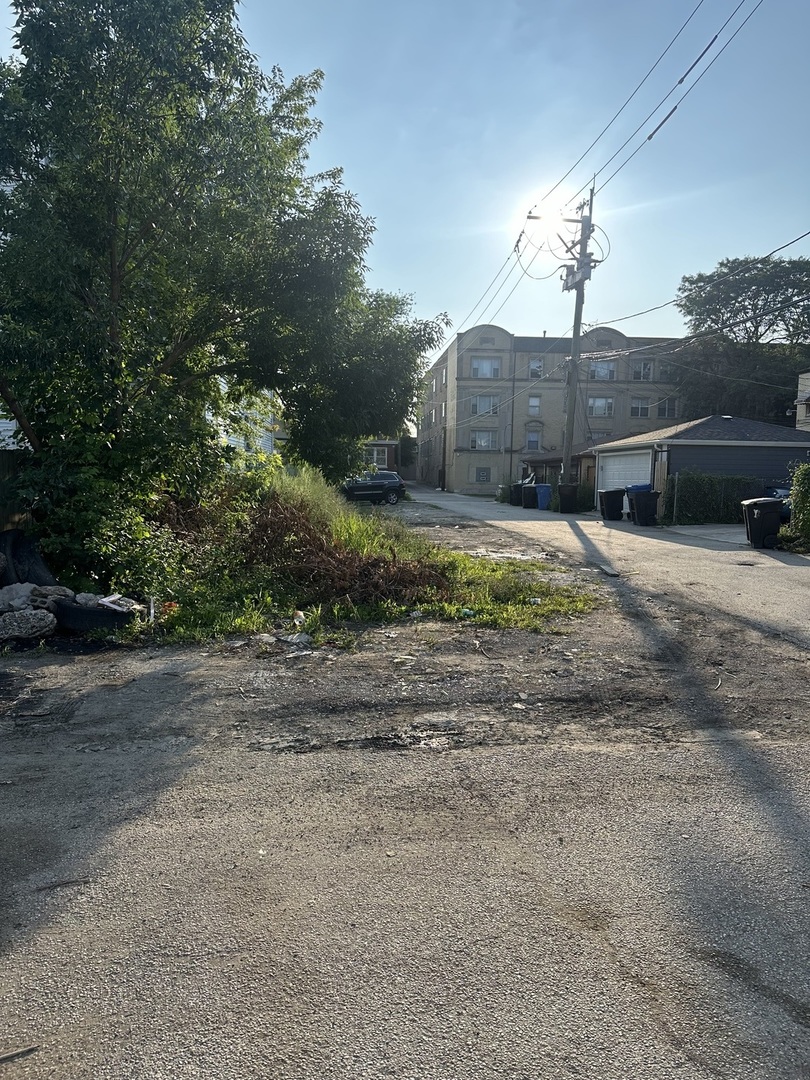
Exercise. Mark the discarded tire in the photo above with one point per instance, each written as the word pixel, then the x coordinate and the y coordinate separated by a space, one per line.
pixel 80 620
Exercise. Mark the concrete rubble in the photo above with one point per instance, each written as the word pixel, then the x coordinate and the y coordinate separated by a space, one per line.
pixel 29 611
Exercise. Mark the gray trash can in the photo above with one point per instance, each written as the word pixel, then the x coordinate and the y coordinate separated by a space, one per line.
pixel 529 496
pixel 568 498
pixel 763 519
pixel 611 504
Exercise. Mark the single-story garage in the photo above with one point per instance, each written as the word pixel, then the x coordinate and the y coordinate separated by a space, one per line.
pixel 720 445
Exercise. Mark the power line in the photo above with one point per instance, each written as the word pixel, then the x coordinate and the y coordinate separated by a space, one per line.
pixel 681 99
pixel 619 112
pixel 723 277
pixel 687 342
pixel 604 130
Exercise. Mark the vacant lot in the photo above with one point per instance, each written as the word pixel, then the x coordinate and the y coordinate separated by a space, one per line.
pixel 450 853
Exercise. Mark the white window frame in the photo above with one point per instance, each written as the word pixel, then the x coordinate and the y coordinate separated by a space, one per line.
pixel 488 437
pixel 668 409
pixel 602 371
pixel 532 436
pixel 641 371
pixel 534 404
pixel 536 367
pixel 640 408
pixel 597 409
pixel 490 364
pixel 377 455
pixel 490 410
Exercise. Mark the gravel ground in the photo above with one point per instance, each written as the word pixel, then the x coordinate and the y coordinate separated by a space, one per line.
pixel 447 854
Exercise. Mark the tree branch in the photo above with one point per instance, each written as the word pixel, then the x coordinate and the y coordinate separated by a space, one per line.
pixel 16 410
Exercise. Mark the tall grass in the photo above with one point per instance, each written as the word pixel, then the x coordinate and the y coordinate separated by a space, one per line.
pixel 262 548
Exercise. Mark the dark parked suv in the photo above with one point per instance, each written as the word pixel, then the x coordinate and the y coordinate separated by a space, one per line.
pixel 374 487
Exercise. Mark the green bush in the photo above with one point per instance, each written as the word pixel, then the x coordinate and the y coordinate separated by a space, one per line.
pixel 695 498
pixel 800 501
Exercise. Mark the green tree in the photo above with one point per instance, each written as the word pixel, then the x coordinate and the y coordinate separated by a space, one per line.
pixel 756 316
pixel 165 257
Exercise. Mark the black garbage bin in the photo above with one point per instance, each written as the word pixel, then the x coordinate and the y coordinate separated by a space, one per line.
pixel 568 498
pixel 763 519
pixel 611 504
pixel 529 496
pixel 643 507
pixel 516 494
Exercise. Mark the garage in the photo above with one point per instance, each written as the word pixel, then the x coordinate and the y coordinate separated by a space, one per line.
pixel 617 470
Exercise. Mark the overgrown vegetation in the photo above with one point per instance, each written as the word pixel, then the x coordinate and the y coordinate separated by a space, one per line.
pixel 795 536
pixel 169 269
pixel 266 544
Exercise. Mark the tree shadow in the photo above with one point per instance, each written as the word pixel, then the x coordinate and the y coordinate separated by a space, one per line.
pixel 79 764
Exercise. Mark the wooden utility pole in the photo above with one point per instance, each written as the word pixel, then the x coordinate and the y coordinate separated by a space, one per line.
pixel 575 278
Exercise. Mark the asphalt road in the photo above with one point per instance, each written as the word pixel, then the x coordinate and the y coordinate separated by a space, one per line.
pixel 179 904
pixel 518 913
pixel 710 566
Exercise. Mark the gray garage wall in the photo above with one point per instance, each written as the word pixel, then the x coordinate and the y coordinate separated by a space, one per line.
pixel 766 462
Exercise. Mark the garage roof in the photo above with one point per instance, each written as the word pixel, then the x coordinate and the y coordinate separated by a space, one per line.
pixel 714 429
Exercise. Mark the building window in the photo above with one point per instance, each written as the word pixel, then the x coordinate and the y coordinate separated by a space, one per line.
pixel 377 455
pixel 667 408
pixel 666 372
pixel 444 410
pixel 807 410
pixel 536 368
pixel 432 415
pixel 433 386
pixel 604 370
pixel 444 376
pixel 484 405
pixel 486 367
pixel 532 440
pixel 600 406
pixel 482 475
pixel 641 371
pixel 639 406
pixel 483 440
pixel 604 343
pixel 487 341
pixel 534 406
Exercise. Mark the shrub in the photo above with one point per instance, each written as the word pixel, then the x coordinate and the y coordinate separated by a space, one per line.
pixel 695 498
pixel 800 501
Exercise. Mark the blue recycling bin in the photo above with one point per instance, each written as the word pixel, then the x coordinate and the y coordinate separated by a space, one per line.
pixel 543 496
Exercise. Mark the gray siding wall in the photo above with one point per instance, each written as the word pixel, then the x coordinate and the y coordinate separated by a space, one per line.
pixel 765 462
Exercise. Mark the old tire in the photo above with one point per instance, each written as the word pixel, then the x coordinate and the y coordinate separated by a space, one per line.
pixel 81 620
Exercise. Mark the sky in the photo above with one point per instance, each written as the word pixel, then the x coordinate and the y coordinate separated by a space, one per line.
pixel 451 119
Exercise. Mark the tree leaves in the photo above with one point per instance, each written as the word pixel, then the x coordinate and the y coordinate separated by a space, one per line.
pixel 164 253
pixel 750 365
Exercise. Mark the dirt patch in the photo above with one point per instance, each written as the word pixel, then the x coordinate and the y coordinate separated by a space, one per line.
pixel 640 668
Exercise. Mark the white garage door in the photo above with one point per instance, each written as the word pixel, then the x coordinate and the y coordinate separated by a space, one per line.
pixel 619 470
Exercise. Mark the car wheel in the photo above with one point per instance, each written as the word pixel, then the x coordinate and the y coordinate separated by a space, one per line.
pixel 392 497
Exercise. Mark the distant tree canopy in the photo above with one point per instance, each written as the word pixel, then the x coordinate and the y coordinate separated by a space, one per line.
pixel 165 256
pixel 750 367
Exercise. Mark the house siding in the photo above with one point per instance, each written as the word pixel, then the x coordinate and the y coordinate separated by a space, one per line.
pixel 764 462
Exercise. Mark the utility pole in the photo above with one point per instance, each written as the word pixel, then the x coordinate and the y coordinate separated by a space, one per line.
pixel 575 278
